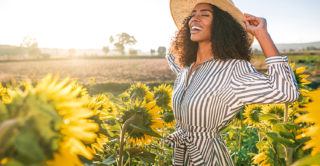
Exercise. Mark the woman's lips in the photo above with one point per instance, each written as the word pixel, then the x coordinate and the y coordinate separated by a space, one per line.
pixel 195 29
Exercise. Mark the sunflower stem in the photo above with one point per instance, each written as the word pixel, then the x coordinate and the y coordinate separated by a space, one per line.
pixel 240 136
pixel 289 151
pixel 122 134
pixel 162 147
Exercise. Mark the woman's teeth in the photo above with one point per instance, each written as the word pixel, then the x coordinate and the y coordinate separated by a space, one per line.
pixel 196 28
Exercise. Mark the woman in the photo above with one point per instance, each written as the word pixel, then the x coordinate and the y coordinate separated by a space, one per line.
pixel 210 56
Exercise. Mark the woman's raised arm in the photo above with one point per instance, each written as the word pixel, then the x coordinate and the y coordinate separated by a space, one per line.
pixel 257 26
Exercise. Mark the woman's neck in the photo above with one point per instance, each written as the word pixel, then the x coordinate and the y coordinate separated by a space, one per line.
pixel 204 51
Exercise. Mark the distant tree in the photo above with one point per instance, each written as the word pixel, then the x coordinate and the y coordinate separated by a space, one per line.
pixel 105 49
pixel 111 39
pixel 11 50
pixel 311 48
pixel 133 52
pixel 124 39
pixel 291 50
pixel 162 51
pixel 31 46
pixel 119 47
pixel 152 51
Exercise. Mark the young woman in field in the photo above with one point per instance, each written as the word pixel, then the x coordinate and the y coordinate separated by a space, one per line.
pixel 211 58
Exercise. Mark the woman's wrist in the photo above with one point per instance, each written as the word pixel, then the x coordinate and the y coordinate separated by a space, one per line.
pixel 266 43
pixel 261 35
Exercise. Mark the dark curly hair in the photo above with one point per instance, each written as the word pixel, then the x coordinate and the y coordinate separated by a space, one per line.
pixel 229 40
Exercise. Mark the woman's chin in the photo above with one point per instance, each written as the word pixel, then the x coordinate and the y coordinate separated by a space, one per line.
pixel 195 39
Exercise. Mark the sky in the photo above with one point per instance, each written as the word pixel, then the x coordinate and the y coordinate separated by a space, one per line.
pixel 83 24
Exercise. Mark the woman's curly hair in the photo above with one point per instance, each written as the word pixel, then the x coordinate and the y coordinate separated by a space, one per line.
pixel 229 40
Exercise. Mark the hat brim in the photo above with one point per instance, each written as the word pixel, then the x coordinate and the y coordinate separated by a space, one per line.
pixel 180 9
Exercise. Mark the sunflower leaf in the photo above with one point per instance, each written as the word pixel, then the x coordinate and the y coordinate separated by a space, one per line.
pixel 110 160
pixel 7 133
pixel 144 130
pixel 146 156
pixel 283 130
pixel 27 145
pixel 275 137
pixel 268 117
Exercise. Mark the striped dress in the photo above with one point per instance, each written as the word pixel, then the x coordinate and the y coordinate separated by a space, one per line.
pixel 215 93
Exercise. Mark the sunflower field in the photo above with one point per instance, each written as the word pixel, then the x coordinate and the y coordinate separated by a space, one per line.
pixel 57 122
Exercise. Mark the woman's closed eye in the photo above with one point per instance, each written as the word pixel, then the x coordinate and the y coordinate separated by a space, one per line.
pixel 206 15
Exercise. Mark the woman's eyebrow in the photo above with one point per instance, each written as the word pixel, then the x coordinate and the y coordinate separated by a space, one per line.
pixel 202 10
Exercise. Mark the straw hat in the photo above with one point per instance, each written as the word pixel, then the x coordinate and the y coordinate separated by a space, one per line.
pixel 180 9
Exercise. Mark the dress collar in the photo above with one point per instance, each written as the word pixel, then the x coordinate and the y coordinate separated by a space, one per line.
pixel 202 62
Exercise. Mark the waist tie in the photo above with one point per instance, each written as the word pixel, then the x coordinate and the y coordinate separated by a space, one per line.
pixel 182 141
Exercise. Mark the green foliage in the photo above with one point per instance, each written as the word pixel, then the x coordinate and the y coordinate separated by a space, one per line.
pixel 241 140
pixel 29 130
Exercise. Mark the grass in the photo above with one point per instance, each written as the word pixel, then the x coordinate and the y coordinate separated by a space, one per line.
pixel 117 88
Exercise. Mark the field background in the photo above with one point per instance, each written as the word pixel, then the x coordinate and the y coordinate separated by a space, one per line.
pixel 115 74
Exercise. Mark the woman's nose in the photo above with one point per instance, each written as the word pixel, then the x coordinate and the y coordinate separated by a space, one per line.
pixel 196 17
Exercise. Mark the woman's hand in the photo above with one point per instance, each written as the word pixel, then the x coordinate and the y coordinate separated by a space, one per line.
pixel 255 25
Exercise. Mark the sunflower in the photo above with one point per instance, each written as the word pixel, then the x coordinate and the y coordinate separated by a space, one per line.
pixel 125 97
pixel 261 159
pixel 105 114
pixel 102 105
pixel 147 120
pixel 301 78
pixel 251 112
pixel 168 119
pixel 54 120
pixel 77 129
pixel 83 91
pixel 276 110
pixel 312 117
pixel 98 146
pixel 162 95
pixel 5 96
pixel 139 91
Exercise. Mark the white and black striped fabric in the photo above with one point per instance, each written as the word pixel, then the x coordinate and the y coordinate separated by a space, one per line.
pixel 215 93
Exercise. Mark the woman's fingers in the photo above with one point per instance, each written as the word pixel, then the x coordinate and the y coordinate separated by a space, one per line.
pixel 254 21
pixel 254 24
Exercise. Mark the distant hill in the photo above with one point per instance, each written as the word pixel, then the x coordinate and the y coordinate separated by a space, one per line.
pixel 294 46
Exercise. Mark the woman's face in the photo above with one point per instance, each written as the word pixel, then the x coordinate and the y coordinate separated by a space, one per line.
pixel 200 22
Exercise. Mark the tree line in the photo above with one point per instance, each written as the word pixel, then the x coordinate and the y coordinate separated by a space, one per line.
pixel 118 43
pixel 122 40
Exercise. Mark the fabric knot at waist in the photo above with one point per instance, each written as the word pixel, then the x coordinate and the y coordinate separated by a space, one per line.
pixel 183 140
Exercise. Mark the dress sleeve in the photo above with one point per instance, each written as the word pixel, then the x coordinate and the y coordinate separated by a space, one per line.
pixel 173 66
pixel 252 87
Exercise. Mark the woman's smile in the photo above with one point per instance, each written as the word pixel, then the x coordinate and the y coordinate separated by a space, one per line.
pixel 195 28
